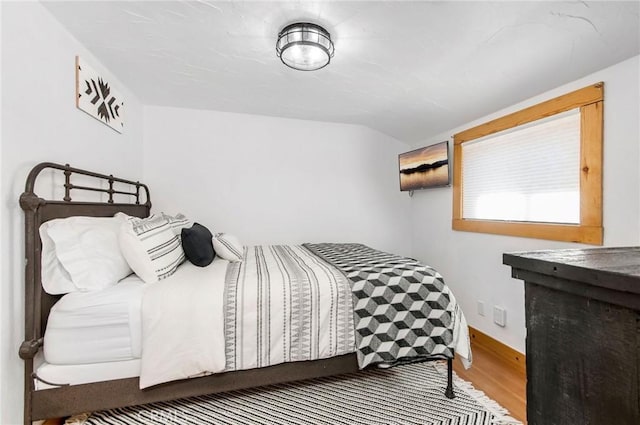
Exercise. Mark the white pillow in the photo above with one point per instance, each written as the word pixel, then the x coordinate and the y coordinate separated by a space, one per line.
pixel 151 247
pixel 228 247
pixel 55 279
pixel 81 254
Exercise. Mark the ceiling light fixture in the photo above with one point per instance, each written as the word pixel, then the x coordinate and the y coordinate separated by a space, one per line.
pixel 304 46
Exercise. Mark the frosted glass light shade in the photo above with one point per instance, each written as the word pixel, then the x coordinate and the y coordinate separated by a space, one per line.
pixel 304 46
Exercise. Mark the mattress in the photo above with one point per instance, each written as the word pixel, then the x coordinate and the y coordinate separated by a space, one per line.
pixel 96 327
pixel 85 373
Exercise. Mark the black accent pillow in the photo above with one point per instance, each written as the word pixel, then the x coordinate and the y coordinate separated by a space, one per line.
pixel 197 245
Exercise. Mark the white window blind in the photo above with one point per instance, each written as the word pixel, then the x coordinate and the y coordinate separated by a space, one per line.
pixel 527 173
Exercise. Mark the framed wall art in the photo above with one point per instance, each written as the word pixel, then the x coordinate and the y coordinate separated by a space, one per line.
pixel 96 96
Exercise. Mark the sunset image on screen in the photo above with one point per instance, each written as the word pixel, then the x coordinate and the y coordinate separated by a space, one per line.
pixel 426 167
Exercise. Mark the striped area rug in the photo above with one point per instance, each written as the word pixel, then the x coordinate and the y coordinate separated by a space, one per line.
pixel 409 394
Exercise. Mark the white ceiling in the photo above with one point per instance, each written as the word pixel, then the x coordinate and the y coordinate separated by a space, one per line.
pixel 407 69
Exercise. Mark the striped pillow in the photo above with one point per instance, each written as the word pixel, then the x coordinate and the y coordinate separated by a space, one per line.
pixel 178 222
pixel 228 247
pixel 151 247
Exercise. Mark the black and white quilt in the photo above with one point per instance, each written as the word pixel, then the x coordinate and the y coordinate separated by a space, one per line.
pixel 403 311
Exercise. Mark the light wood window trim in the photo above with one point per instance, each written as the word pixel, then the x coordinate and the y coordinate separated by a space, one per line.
pixel 590 101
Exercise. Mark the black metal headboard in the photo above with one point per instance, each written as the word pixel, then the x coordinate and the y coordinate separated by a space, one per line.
pixel 38 210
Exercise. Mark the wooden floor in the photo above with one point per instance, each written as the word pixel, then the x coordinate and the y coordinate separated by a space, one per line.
pixel 499 380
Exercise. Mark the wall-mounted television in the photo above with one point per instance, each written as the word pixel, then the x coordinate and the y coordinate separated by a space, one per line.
pixel 425 167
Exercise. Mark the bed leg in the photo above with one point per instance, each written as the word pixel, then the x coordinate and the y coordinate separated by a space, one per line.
pixel 28 391
pixel 449 391
pixel 27 408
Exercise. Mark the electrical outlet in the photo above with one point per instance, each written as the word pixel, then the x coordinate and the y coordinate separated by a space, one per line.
pixel 499 316
pixel 480 308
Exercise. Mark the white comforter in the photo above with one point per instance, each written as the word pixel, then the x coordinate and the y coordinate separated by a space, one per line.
pixel 283 304
pixel 183 316
pixel 183 325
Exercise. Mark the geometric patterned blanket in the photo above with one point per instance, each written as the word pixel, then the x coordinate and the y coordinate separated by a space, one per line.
pixel 402 309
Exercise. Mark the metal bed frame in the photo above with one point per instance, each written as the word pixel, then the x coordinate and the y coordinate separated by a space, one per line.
pixel 67 399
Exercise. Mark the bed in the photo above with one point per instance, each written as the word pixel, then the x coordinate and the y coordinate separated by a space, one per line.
pixel 104 368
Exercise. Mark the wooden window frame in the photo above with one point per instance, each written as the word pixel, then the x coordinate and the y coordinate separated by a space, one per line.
pixel 590 231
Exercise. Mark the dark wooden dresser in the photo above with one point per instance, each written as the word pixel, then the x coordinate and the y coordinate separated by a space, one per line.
pixel 583 335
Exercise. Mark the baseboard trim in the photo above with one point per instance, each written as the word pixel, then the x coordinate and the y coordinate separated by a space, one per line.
pixel 513 357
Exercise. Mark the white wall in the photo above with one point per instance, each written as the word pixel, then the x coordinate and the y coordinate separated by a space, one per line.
pixel 41 123
pixel 276 180
pixel 472 262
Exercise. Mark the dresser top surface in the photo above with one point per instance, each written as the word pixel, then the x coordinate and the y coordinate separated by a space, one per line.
pixel 616 269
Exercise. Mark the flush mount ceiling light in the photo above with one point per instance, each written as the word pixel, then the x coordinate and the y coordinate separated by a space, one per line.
pixel 304 46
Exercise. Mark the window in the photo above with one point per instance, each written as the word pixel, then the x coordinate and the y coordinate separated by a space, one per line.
pixel 534 173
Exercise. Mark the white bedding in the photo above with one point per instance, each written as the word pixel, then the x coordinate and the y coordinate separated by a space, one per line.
pixel 97 326
pixel 183 324
pixel 173 329
pixel 98 336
